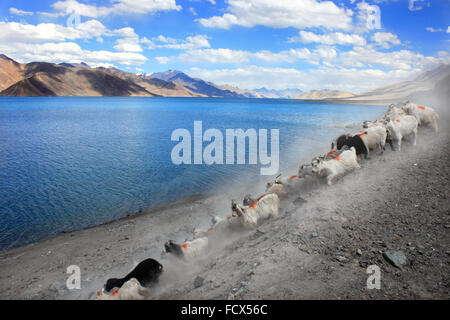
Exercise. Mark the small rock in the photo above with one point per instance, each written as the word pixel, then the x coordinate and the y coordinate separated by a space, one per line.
pixel 359 252
pixel 198 282
pixel 299 201
pixel 341 259
pixel 58 287
pixel 396 258
pixel 239 291
pixel 314 234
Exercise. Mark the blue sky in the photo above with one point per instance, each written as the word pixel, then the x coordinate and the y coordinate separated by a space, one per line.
pixel 305 44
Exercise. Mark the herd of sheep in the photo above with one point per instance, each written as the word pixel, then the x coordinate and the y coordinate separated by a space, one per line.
pixel 397 123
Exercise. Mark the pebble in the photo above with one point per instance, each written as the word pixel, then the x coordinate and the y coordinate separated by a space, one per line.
pixel 396 258
pixel 198 282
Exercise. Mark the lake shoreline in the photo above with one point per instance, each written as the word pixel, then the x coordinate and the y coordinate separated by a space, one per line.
pixel 103 158
pixel 112 249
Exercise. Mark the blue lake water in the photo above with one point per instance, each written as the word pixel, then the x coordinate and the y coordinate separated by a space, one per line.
pixel 68 163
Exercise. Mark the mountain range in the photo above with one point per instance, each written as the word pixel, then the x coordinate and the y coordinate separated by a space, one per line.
pixel 324 94
pixel 435 80
pixel 79 79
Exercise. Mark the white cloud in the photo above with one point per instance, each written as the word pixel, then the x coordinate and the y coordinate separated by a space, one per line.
pixel 330 38
pixel 120 7
pixel 147 42
pixel 448 29
pixel 395 60
pixel 162 60
pixel 385 39
pixel 20 12
pixel 51 42
pixel 129 42
pixel 281 14
pixel 214 56
pixel 190 43
pixel 351 79
pixel 431 29
pixel 322 53
pixel 127 45
pixel 164 39
pixel 192 10
pixel 67 52
pixel 17 32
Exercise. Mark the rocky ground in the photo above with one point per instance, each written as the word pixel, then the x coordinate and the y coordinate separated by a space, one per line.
pixel 318 248
pixel 321 248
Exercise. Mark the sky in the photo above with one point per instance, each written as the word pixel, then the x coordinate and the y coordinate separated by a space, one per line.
pixel 353 45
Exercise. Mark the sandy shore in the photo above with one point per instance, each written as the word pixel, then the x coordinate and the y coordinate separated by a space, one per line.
pixel 319 247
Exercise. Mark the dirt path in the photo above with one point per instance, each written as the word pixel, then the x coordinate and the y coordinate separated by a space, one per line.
pixel 319 247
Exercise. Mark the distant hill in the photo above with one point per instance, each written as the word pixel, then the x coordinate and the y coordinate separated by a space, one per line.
pixel 10 72
pixel 272 93
pixel 324 94
pixel 78 79
pixel 438 95
pixel 200 86
pixel 242 92
pixel 402 90
pixel 49 79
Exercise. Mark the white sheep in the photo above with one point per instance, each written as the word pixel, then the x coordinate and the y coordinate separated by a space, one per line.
pixel 305 170
pixel 188 250
pixel 219 225
pixel 370 124
pixel 402 127
pixel 273 187
pixel 425 116
pixel 374 138
pixel 393 113
pixel 130 290
pixel 282 186
pixel 342 164
pixel 267 206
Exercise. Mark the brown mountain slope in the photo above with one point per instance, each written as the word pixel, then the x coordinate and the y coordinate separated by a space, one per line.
pixel 61 81
pixel 157 86
pixel 65 79
pixel 10 72
pixel 30 87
